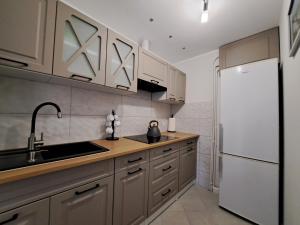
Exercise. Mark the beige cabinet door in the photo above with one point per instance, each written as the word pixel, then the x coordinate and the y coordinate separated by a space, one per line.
pixel 187 167
pixel 27 34
pixel 122 62
pixel 80 46
pixel 90 204
pixel 131 196
pixel 171 91
pixel 180 81
pixel 36 213
pixel 152 68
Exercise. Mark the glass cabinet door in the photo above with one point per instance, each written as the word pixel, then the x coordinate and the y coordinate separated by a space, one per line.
pixel 80 46
pixel 121 68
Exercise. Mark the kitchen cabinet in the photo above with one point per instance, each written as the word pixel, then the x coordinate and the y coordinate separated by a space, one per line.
pixel 152 68
pixel 187 164
pixel 131 195
pixel 176 88
pixel 27 34
pixel 122 62
pixel 36 213
pixel 171 90
pixel 264 45
pixel 88 204
pixel 80 46
pixel 180 83
pixel 163 180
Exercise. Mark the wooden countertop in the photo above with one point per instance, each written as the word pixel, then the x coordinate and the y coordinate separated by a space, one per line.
pixel 116 149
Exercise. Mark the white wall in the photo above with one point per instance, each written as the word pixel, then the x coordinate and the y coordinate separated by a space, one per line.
pixel 195 116
pixel 199 72
pixel 291 74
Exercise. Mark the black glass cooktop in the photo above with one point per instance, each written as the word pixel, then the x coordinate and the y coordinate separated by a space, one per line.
pixel 143 138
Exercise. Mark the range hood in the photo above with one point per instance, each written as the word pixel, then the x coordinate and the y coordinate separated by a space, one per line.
pixel 151 87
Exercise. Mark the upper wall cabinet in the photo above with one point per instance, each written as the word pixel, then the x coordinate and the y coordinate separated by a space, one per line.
pixel 264 45
pixel 152 68
pixel 180 82
pixel 122 62
pixel 27 34
pixel 80 46
pixel 176 88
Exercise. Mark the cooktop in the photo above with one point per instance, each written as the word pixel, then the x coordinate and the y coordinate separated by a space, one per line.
pixel 143 138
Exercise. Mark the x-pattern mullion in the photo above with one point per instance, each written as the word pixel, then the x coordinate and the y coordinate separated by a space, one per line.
pixel 123 62
pixel 82 49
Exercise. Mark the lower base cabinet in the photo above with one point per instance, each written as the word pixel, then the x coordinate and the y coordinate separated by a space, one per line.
pixel 36 213
pixel 131 195
pixel 187 167
pixel 90 204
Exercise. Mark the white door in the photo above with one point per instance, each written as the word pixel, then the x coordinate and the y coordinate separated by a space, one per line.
pixel 249 188
pixel 249 110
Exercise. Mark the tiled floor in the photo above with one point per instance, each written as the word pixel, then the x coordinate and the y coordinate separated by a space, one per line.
pixel 197 207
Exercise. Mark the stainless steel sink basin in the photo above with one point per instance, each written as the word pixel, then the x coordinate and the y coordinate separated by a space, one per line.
pixel 11 159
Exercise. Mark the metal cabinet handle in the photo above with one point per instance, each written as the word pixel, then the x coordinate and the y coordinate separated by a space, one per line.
pixel 167 192
pixel 190 149
pixel 136 171
pixel 180 100
pixel 87 190
pixel 154 81
pixel 14 217
pixel 79 77
pixel 10 62
pixel 122 87
pixel 167 150
pixel 135 160
pixel 189 143
pixel 221 131
pixel 166 169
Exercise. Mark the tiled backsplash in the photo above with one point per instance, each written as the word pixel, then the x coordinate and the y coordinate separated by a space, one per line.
pixel 84 112
pixel 197 118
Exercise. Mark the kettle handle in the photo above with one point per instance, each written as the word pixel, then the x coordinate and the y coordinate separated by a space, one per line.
pixel 153 121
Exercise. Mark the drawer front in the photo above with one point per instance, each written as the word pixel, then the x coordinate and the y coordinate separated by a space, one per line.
pixel 161 168
pixel 188 143
pixel 162 195
pixel 164 151
pixel 188 149
pixel 131 160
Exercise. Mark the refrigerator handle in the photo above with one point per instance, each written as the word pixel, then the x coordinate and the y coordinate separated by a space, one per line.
pixel 221 131
pixel 220 166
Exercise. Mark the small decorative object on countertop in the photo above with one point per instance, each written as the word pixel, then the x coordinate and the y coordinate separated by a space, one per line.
pixel 111 124
pixel 172 124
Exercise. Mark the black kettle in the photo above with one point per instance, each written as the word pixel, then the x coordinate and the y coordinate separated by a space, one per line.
pixel 153 130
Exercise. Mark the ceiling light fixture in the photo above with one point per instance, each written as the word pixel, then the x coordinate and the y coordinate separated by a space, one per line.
pixel 204 16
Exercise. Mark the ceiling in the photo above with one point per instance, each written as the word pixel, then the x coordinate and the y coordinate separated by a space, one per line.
pixel 229 20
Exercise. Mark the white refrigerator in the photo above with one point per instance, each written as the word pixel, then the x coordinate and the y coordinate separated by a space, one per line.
pixel 249 141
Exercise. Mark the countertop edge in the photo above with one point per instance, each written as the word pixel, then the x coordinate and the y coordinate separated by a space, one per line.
pixel 42 169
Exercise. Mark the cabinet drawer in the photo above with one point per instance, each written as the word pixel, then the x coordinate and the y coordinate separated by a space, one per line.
pixel 163 151
pixel 131 160
pixel 188 149
pixel 36 213
pixel 188 143
pixel 161 168
pixel 159 197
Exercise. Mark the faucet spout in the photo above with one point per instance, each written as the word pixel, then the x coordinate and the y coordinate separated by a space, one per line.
pixel 36 111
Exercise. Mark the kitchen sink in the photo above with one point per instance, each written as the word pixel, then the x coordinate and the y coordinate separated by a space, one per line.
pixel 16 158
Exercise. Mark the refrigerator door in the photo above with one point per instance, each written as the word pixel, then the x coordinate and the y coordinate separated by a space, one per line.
pixel 250 111
pixel 249 188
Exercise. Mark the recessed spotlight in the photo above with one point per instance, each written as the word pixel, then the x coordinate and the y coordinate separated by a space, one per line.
pixel 151 19
pixel 183 48
pixel 170 36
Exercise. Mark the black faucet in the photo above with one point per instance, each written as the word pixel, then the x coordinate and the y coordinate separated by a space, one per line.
pixel 32 142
